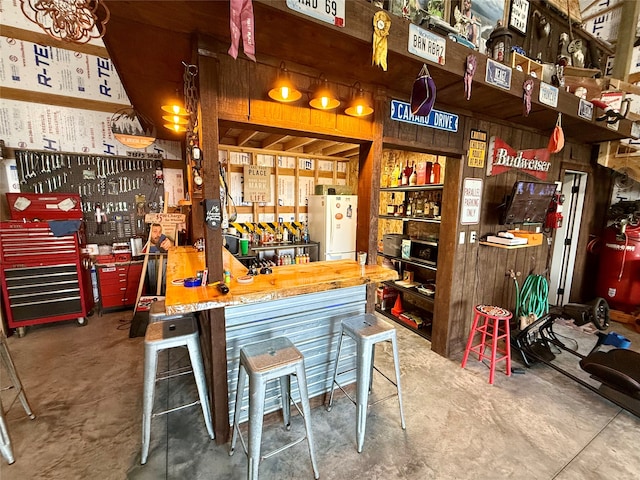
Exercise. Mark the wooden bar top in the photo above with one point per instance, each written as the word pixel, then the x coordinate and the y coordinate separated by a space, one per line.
pixel 285 281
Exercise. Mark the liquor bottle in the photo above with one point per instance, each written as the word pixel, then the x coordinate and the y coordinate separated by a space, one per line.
pixel 413 179
pixel 427 172
pixel 391 207
pixel 305 233
pixel 409 208
pixel 432 204
pixel 395 174
pixel 399 208
pixel 279 233
pixel 437 206
pixel 404 179
pixel 436 171
pixel 419 210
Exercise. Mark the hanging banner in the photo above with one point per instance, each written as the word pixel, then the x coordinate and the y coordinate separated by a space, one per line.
pixel 503 158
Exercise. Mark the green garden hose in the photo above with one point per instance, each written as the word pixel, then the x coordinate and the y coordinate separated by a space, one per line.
pixel 533 297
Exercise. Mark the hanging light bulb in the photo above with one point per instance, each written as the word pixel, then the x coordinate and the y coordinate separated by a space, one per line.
pixel 283 88
pixel 359 106
pixel 323 98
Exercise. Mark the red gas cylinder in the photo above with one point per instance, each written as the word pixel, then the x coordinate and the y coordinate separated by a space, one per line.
pixel 619 271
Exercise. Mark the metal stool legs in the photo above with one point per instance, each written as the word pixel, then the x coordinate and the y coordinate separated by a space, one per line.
pixel 367 330
pixel 255 366
pixel 162 336
pixel 5 441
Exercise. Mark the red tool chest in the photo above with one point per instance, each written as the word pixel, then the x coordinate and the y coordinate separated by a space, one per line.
pixel 45 277
pixel 118 284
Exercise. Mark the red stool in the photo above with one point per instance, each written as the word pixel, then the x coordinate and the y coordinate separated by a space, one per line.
pixel 487 322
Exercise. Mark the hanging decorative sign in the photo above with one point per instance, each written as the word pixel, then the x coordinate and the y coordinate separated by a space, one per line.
pixel 471 201
pixel 401 111
pixel 503 158
pixel 257 183
pixel 426 44
pixel 585 109
pixel 548 95
pixel 498 74
pixel 477 149
pixel 329 11
pixel 519 15
pixel 212 213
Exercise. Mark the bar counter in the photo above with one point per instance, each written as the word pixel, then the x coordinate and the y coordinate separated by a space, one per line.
pixel 285 281
pixel 305 302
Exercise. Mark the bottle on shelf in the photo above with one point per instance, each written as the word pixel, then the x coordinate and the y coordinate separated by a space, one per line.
pixel 437 206
pixel 436 171
pixel 413 179
pixel 431 205
pixel 305 233
pixel 391 206
pixel 409 208
pixel 427 172
pixel 400 208
pixel 395 175
pixel 404 179
pixel 279 233
pixel 419 210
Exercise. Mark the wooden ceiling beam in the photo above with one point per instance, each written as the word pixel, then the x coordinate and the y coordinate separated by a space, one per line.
pixel 271 140
pixel 337 148
pixel 297 143
pixel 317 145
pixel 245 136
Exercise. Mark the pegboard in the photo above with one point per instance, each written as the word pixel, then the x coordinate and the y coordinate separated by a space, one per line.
pixel 116 183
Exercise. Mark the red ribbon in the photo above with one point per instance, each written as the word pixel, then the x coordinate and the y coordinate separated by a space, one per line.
pixel 242 22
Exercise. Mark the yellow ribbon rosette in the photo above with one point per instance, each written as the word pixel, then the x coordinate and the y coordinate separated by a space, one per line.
pixel 381 26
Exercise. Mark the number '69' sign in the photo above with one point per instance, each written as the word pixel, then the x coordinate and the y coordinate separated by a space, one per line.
pixel 330 11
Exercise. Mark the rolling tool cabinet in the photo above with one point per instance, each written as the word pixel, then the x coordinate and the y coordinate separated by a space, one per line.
pixel 45 277
pixel 118 284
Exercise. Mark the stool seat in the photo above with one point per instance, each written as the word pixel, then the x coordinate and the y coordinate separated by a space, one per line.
pixel 158 313
pixel 366 331
pixel 163 335
pixel 275 358
pixel 491 323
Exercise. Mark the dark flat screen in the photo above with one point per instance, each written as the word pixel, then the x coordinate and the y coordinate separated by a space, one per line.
pixel 528 203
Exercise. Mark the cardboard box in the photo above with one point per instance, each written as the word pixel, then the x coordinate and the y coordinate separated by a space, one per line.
pixel 532 238
pixel 386 297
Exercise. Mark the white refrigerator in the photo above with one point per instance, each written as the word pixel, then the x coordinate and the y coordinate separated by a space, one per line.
pixel 332 222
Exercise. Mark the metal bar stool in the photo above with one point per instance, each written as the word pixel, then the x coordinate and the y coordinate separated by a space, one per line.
pixel 162 335
pixel 276 358
pixel 367 330
pixel 492 322
pixel 157 313
pixel 5 440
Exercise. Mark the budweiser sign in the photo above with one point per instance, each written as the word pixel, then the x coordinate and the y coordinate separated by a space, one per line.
pixel 503 158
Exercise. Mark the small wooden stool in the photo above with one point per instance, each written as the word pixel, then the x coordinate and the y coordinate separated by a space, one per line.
pixel 492 322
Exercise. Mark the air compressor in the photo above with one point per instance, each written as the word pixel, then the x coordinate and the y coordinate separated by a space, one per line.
pixel 619 269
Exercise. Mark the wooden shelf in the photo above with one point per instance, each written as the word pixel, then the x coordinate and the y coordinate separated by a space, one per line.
pixel 411 291
pixel 413 188
pixel 507 247
pixel 528 66
pixel 410 262
pixel 410 219
pixel 423 332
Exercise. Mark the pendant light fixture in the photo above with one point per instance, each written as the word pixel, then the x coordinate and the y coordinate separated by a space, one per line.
pixel 359 106
pixel 283 88
pixel 322 96
pixel 178 118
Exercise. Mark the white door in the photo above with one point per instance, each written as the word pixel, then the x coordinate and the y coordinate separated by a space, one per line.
pixel 565 243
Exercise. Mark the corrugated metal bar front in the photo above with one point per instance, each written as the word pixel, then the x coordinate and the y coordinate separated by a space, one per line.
pixel 312 322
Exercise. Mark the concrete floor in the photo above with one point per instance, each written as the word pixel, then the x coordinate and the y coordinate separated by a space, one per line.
pixel 85 386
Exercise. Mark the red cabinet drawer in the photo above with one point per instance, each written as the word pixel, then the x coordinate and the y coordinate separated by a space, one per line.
pixel 118 284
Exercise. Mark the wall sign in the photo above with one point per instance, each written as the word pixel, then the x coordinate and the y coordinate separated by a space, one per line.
pixel 585 109
pixel 401 111
pixel 519 15
pixel 257 183
pixel 548 95
pixel 330 11
pixel 503 158
pixel 471 201
pixel 498 74
pixel 426 44
pixel 477 149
